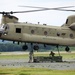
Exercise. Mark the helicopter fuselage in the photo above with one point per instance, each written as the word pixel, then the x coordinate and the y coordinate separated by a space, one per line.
pixel 36 33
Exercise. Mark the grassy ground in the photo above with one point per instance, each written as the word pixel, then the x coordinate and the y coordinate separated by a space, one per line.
pixel 25 55
pixel 34 71
pixel 13 56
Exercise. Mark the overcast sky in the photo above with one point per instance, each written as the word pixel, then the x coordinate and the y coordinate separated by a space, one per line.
pixel 50 17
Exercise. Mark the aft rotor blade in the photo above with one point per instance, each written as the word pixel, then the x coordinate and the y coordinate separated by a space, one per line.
pixel 65 10
pixel 43 10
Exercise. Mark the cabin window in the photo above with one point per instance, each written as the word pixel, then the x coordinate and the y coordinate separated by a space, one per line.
pixel 67 21
pixel 18 30
pixel 71 36
pixel 32 31
pixel 45 32
pixel 58 34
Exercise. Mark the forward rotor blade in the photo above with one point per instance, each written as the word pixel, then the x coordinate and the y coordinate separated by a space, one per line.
pixel 47 8
pixel 31 11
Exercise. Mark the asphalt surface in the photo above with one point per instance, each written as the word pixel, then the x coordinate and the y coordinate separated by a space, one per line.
pixel 14 63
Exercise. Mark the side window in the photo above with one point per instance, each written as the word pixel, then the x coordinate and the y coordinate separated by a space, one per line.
pixel 18 30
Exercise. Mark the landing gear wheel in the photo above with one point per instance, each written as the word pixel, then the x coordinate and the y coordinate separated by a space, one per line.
pixel 25 47
pixel 67 49
pixel 36 47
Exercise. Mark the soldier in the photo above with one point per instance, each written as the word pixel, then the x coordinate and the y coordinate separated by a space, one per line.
pixel 31 56
pixel 52 53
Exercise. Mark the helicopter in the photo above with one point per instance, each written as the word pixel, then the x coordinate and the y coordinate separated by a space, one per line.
pixel 13 30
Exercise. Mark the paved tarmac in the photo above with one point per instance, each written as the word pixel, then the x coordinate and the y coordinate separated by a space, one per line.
pixel 14 63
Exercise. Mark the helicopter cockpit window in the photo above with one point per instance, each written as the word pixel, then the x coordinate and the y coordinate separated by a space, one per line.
pixel 18 30
pixel 67 21
pixel 45 32
pixel 4 27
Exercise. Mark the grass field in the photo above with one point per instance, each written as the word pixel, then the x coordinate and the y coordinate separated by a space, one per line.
pixel 34 71
pixel 25 55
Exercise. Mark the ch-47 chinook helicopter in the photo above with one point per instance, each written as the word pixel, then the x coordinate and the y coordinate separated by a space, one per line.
pixel 13 30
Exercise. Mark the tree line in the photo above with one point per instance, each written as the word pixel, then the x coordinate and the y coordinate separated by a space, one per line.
pixel 10 47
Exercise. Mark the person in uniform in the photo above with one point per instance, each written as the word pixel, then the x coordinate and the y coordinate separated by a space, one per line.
pixel 52 53
pixel 31 55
